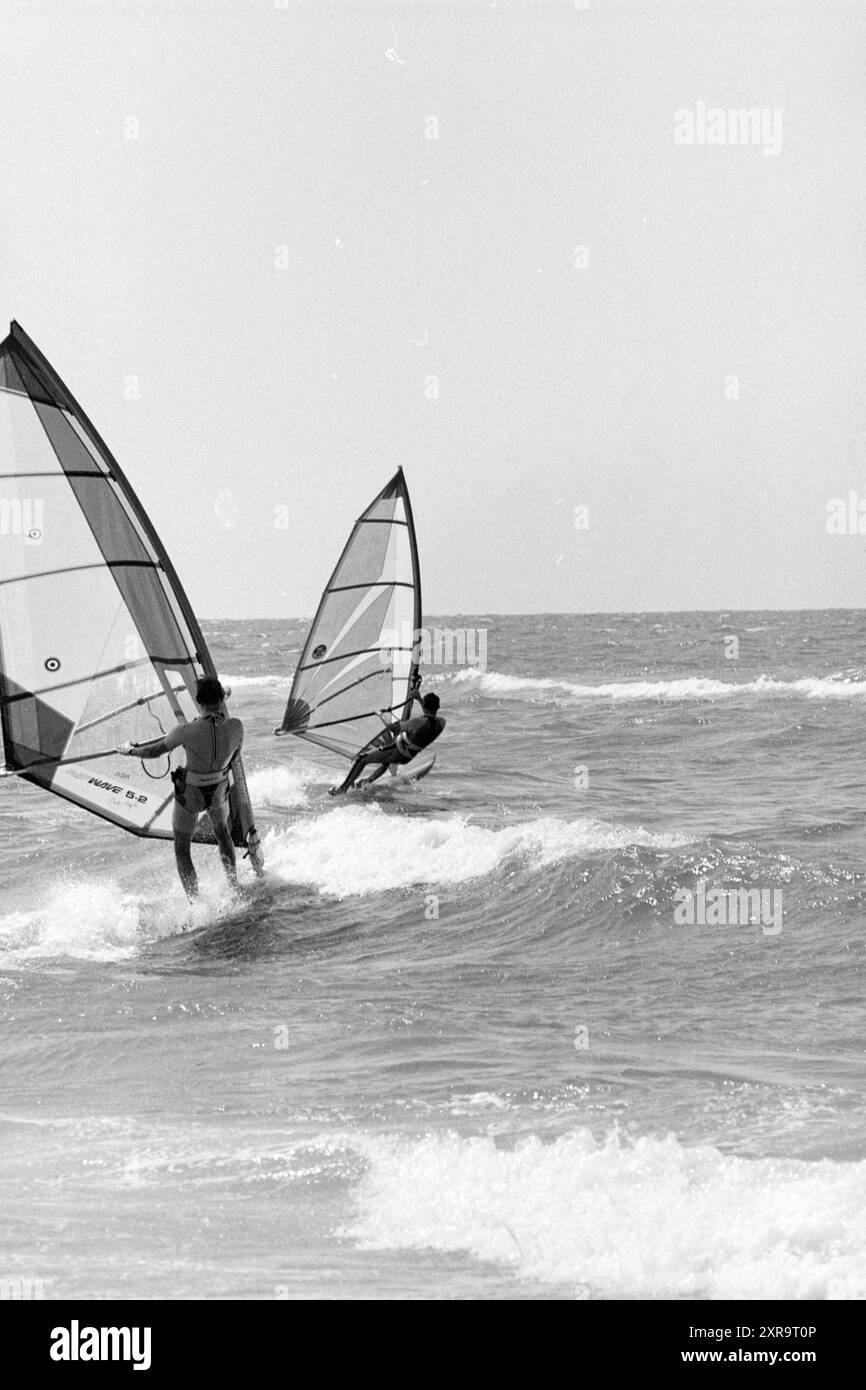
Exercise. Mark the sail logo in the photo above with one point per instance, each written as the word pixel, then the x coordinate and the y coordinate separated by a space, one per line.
pixel 75 1343
pixel 125 792
pixel 104 786
pixel 22 516
pixel 711 125
pixel 731 907
pixel 438 646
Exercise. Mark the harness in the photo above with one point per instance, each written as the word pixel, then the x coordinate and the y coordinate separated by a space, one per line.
pixel 207 779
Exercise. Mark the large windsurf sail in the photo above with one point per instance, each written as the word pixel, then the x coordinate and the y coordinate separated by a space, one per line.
pixel 362 651
pixel 98 643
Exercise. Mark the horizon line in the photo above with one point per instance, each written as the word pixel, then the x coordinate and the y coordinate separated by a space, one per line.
pixel 568 613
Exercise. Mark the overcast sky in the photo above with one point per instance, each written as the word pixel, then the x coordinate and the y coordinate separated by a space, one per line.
pixel 277 252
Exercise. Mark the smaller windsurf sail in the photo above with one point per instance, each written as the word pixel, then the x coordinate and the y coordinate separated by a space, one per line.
pixel 99 645
pixel 361 654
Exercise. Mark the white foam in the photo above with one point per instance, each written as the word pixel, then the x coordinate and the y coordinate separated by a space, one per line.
pixel 87 920
pixel 282 786
pixel 649 1219
pixel 98 920
pixel 495 683
pixel 360 850
pixel 237 682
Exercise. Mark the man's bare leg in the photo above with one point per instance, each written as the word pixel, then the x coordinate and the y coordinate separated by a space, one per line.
pixel 374 776
pixel 183 860
pixel 227 851
pixel 357 767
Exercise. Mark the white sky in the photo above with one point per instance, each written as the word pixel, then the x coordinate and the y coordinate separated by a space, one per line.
pixel 260 127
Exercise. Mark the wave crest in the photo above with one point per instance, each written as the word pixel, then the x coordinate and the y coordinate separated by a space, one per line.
pixel 497 684
pixel 648 1219
pixel 361 850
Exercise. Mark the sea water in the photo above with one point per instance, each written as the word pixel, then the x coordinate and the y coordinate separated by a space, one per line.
pixel 461 1042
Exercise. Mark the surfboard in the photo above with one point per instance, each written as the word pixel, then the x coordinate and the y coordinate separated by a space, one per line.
pixel 402 773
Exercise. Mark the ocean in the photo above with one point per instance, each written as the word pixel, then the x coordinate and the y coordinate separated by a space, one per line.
pixel 507 1033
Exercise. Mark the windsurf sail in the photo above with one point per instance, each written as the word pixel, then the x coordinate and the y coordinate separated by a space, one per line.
pixel 361 654
pixel 98 643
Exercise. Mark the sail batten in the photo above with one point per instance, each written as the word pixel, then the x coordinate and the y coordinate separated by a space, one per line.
pixel 361 653
pixel 98 643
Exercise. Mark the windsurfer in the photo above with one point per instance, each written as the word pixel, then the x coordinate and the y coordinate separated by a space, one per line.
pixel 211 743
pixel 408 738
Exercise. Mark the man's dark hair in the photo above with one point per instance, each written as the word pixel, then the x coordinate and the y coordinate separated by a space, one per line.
pixel 209 692
pixel 430 703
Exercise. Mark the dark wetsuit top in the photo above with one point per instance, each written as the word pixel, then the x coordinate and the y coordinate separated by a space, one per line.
pixel 415 734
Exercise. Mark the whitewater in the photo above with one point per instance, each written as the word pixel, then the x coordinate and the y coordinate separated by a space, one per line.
pixel 455 1044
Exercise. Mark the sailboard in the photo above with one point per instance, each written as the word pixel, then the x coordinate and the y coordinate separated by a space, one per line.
pixel 98 642
pixel 398 774
pixel 361 654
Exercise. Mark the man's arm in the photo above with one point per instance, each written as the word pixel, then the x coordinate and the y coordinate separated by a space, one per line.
pixel 393 726
pixel 236 753
pixel 157 747
pixel 414 693
pixel 390 726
